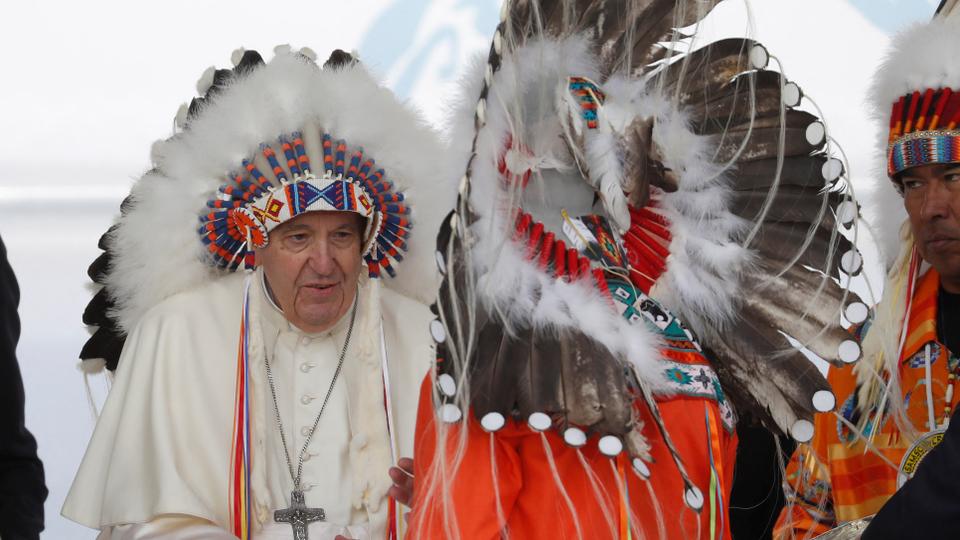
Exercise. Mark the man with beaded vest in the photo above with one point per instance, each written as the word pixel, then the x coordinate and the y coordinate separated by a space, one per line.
pixel 897 402
pixel 264 305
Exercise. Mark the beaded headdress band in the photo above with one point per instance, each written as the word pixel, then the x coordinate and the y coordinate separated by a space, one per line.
pixel 923 130
pixel 251 205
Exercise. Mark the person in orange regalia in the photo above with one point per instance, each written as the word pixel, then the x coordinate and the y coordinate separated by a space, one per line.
pixel 610 294
pixel 899 400
pixel 588 490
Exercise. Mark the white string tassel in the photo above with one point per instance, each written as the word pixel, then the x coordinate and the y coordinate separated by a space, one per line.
pixel 495 478
pixel 928 373
pixel 657 511
pixel 599 493
pixel 563 491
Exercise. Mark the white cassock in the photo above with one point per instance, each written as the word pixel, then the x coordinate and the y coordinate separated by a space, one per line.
pixel 158 464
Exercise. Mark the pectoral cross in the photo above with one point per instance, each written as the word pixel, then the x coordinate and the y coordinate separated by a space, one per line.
pixel 298 515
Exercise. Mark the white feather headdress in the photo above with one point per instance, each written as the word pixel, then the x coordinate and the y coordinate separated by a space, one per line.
pixel 155 247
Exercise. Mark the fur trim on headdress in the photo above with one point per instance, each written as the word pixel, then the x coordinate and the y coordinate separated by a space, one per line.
pixel 921 57
pixel 509 283
pixel 158 251
pixel 516 287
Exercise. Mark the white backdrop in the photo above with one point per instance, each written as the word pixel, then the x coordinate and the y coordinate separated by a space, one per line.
pixel 88 86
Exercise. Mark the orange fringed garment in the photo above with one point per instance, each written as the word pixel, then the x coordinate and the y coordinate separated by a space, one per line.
pixel 532 504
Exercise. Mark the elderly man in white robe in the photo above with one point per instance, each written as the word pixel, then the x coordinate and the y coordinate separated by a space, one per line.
pixel 269 376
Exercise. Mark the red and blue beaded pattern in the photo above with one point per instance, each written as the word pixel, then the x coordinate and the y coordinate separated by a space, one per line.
pixel 233 222
pixel 925 149
pixel 923 130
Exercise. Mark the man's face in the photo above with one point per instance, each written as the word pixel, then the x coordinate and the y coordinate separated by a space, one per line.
pixel 312 265
pixel 931 195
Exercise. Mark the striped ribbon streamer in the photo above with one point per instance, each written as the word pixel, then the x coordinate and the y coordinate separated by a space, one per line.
pixel 625 533
pixel 716 475
pixel 240 514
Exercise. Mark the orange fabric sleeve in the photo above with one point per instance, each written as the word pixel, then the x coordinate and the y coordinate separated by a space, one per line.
pixel 471 496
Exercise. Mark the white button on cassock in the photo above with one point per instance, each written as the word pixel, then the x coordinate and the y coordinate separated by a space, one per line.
pixel 305 399
pixel 305 430
pixel 306 367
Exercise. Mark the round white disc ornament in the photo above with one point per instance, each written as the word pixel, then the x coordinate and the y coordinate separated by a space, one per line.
pixel 815 133
pixel 437 330
pixel 850 262
pixel 610 445
pixel 447 385
pixel 847 212
pixel 575 437
pixel 856 312
pixel 849 351
pixel 791 95
pixel 693 497
pixel 492 421
pixel 641 468
pixel 450 413
pixel 539 421
pixel 759 57
pixel 824 401
pixel 802 431
pixel 831 169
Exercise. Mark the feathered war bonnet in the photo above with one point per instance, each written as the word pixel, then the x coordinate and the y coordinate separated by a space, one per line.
pixel 264 143
pixel 916 100
pixel 918 88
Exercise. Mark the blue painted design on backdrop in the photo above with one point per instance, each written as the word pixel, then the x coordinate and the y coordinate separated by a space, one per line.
pixel 395 31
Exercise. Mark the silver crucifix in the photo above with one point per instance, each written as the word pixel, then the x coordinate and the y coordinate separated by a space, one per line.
pixel 298 515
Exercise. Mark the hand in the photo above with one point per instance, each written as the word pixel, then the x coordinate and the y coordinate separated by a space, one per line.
pixel 402 477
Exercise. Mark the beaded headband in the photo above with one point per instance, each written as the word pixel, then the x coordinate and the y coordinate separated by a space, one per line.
pixel 923 130
pixel 251 205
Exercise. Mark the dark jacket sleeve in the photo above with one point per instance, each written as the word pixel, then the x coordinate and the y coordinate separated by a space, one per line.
pixel 22 490
pixel 928 505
